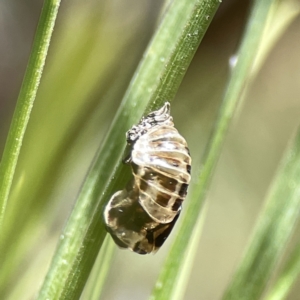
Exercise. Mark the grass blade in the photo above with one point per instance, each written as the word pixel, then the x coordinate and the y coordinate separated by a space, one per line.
pixel 168 284
pixel 287 278
pixel 97 279
pixel 74 72
pixel 157 80
pixel 26 99
pixel 275 226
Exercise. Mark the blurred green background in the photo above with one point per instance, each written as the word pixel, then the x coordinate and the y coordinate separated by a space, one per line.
pixel 95 49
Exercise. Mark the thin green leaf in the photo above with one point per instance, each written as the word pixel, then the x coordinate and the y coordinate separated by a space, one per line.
pixel 67 86
pixel 287 278
pixel 169 284
pixel 94 287
pixel 283 14
pixel 157 80
pixel 275 226
pixel 26 99
pixel 183 276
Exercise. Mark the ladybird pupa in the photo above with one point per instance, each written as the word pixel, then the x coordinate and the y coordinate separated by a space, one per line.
pixel 141 216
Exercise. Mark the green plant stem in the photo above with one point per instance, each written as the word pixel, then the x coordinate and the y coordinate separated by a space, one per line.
pixel 287 278
pixel 275 226
pixel 283 14
pixel 26 99
pixel 94 287
pixel 168 284
pixel 156 81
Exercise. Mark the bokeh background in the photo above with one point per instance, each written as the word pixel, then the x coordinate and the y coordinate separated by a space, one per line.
pixel 95 49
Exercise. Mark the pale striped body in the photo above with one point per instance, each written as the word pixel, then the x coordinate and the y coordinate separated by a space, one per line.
pixel 161 162
pixel 141 216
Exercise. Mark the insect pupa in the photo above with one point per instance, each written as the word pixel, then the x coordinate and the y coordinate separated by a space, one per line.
pixel 141 216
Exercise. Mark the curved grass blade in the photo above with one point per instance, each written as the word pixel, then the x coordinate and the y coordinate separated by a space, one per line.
pixel 96 281
pixel 283 14
pixel 156 81
pixel 26 99
pixel 169 283
pixel 275 226
pixel 44 168
pixel 287 278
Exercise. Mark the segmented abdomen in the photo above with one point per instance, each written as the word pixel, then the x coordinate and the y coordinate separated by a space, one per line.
pixel 161 166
